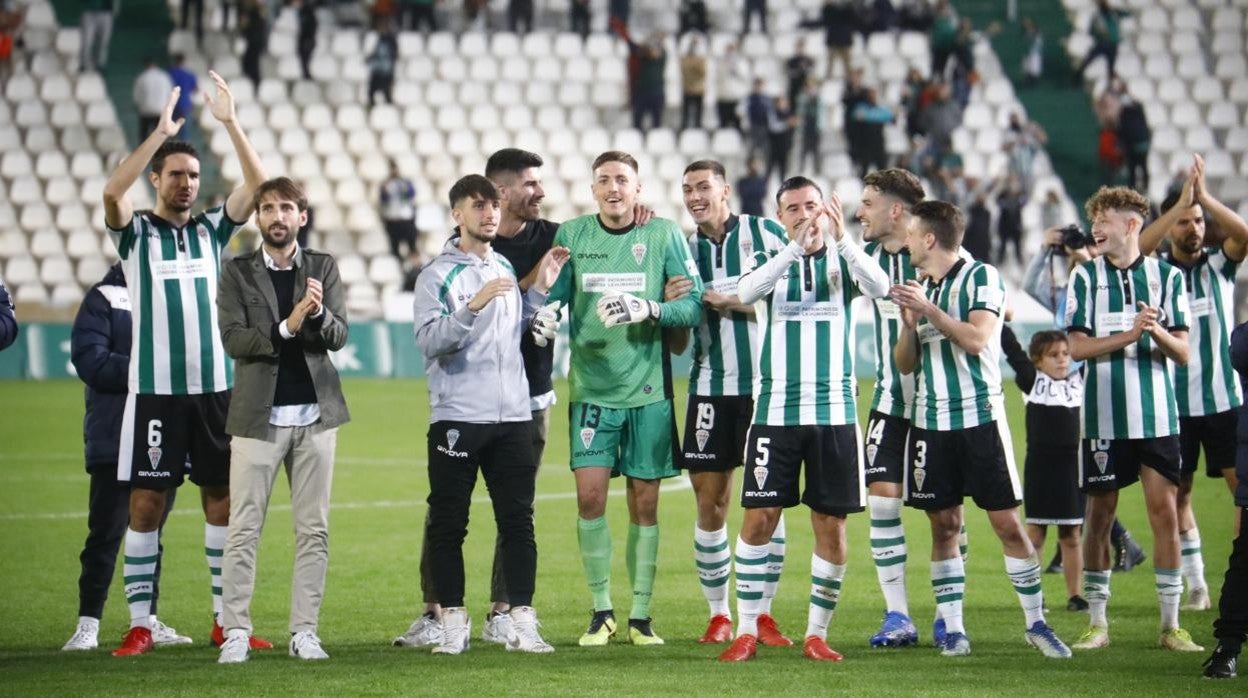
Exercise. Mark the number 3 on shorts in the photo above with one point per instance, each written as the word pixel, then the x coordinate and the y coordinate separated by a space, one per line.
pixel 920 454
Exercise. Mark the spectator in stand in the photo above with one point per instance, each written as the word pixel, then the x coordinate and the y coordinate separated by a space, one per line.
pixel 11 18
pixel 758 109
pixel 871 117
pixel 978 237
pixel 1010 202
pixel 811 117
pixel 151 90
pixel 1052 213
pixel 752 189
pixel 580 18
pixel 693 85
pixel 838 20
pixel 184 79
pixel 750 9
pixel 381 64
pixel 1023 142
pixel 306 38
pixel 8 316
pixel 693 17
pixel 780 138
pixel 1106 35
pixel 914 15
pixel 398 211
pixel 1134 138
pixel 797 69
pixel 951 183
pixel 96 29
pixel 417 14
pixel 940 118
pixel 732 76
pixel 648 94
pixel 1033 59
pixel 854 93
pixel 912 91
pixel 520 14
pixel 254 24
pixel 943 38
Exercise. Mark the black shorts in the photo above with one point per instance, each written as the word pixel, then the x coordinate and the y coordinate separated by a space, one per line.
pixel 166 438
pixel 1051 493
pixel 1109 465
pixel 773 466
pixel 715 428
pixel 942 467
pixel 1216 433
pixel 885 447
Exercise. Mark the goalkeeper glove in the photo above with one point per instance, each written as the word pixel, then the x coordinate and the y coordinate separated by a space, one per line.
pixel 617 308
pixel 545 323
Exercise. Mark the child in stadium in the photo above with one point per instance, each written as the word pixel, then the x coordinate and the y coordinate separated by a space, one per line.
pixel 1053 393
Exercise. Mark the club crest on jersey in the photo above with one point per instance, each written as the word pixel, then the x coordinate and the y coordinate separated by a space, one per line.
pixel 701 436
pixel 587 436
pixel 835 279
pixel 1101 458
pixel 872 449
pixel 1154 286
pixel 639 252
pixel 919 476
pixel 760 475
pixel 452 435
pixel 153 455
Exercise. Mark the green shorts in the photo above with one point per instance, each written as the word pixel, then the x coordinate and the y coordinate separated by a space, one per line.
pixel 634 441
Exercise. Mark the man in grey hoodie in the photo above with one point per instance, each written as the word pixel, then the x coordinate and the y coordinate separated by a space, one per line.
pixel 469 317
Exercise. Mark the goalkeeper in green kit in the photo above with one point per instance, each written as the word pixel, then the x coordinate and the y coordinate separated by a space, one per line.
pixel 620 413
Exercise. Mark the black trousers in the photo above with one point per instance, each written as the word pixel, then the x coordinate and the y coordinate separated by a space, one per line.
pixel 414 16
pixel 580 20
pixel 520 12
pixel 196 6
pixel 504 454
pixel 754 7
pixel 251 63
pixel 382 83
pixel 1231 626
pixel 400 232
pixel 1108 50
pixel 108 515
pixel 1137 167
pixel 691 111
pixel 726 113
pixel 306 49
pixel 147 124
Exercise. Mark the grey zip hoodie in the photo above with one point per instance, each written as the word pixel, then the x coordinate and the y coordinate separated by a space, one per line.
pixel 472 360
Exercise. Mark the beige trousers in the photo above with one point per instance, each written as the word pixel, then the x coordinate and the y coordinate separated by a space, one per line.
pixel 308 453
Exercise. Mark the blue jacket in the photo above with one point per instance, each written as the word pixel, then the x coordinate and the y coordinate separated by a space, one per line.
pixel 100 352
pixel 8 320
pixel 1239 359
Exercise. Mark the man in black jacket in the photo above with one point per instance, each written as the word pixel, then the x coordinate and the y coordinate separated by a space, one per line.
pixel 8 318
pixel 100 352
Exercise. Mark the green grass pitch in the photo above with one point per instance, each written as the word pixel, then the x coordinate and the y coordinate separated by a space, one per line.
pixel 373 590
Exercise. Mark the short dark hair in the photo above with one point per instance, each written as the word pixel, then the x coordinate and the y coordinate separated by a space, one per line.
pixel 798 182
pixel 284 188
pixel 1042 340
pixel 473 186
pixel 943 220
pixel 171 147
pixel 511 160
pixel 616 156
pixel 715 166
pixel 898 183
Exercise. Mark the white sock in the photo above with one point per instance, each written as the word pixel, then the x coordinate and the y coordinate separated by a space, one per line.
pixel 89 622
pixel 141 552
pixel 775 565
pixel 750 564
pixel 888 547
pixel 214 549
pixel 1024 574
pixel 825 591
pixel 949 584
pixel 1169 589
pixel 1193 561
pixel 1096 593
pixel 714 561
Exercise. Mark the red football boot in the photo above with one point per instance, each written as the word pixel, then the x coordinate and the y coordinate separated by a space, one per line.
pixel 742 649
pixel 137 641
pixel 256 643
pixel 717 632
pixel 769 633
pixel 815 648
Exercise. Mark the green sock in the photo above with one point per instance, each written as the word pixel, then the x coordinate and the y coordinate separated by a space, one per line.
pixel 642 557
pixel 595 543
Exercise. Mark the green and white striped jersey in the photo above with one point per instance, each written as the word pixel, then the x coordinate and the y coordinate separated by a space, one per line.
pixel 171 276
pixel 1129 394
pixel 805 316
pixel 894 390
pixel 725 347
pixel 1208 384
pixel 954 389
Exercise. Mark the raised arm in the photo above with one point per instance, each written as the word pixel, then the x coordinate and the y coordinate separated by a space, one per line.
pixel 1024 370
pixel 1152 235
pixel 118 210
pixel 1229 222
pixel 239 203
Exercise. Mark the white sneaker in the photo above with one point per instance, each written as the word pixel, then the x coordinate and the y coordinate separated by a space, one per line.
pixel 524 636
pixel 423 632
pixel 1197 599
pixel 234 649
pixel 165 635
pixel 86 636
pixel 306 645
pixel 497 628
pixel 456 629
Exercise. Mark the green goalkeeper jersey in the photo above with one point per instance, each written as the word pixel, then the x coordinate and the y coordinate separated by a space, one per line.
pixel 627 365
